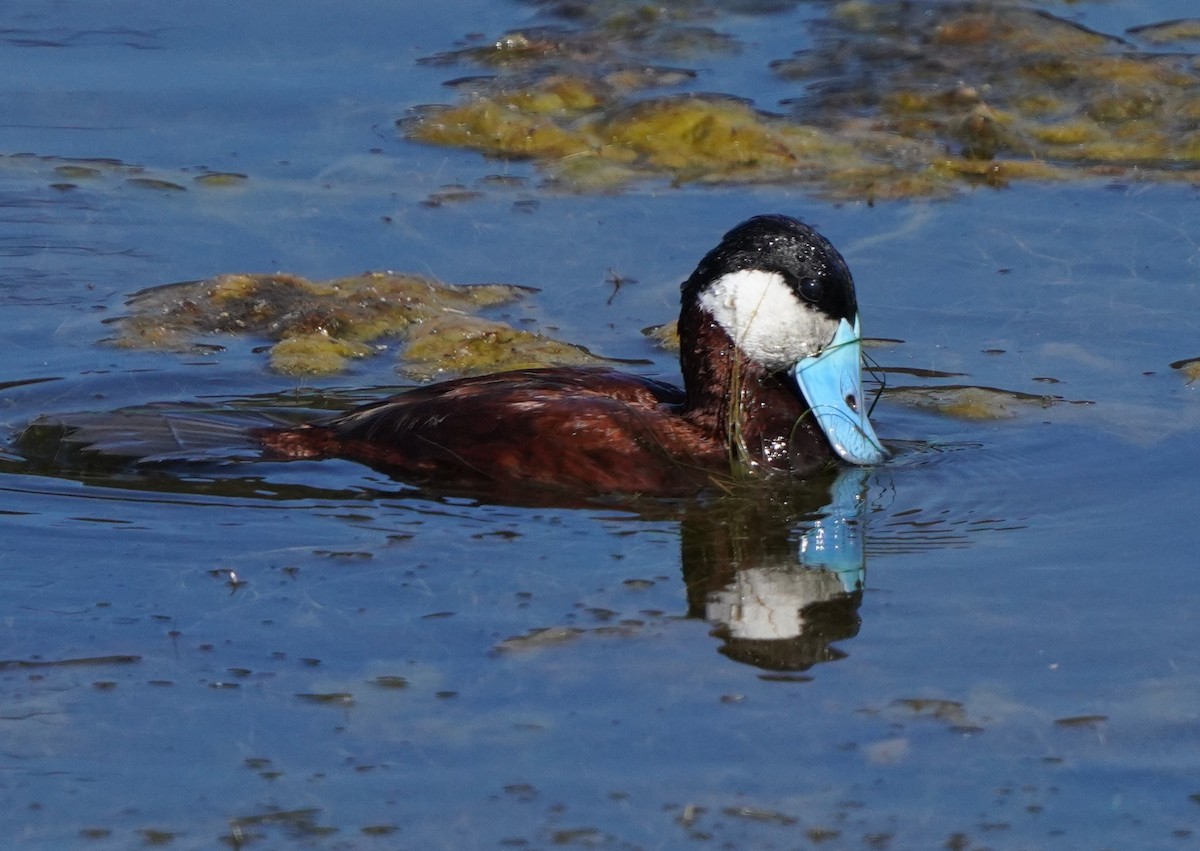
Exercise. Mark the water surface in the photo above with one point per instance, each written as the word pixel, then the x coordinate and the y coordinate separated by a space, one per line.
pixel 310 654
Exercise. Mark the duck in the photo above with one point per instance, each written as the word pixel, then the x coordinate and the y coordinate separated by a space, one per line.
pixel 771 361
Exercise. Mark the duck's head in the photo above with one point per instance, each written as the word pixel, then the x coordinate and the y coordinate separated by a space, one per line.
pixel 785 298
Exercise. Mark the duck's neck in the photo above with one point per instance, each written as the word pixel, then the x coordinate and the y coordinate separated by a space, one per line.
pixel 758 414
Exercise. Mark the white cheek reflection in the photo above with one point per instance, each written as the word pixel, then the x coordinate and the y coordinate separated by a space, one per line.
pixel 768 603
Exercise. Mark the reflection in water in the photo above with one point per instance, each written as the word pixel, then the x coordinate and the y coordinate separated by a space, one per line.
pixel 780 573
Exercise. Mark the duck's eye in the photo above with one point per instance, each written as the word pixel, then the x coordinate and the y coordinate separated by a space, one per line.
pixel 811 289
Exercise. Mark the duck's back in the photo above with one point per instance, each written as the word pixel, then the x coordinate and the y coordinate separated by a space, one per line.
pixel 584 430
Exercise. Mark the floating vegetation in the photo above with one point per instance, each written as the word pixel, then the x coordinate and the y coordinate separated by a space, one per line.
pixel 338 698
pixel 1004 83
pixel 77 172
pixel 1169 32
pixel 220 178
pixel 542 638
pixel 318 327
pixel 665 336
pixel 295 824
pixel 451 195
pixel 155 184
pixel 85 661
pixel 688 138
pixel 391 681
pixel 538 639
pixel 925 707
pixel 153 836
pixel 459 344
pixel 760 815
pixel 108 173
pixel 378 829
pixel 315 353
pixel 895 99
pixel 1190 367
pixel 973 403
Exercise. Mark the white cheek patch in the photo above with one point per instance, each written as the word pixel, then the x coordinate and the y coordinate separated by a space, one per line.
pixel 765 319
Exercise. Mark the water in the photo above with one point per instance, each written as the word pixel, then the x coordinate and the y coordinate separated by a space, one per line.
pixel 309 654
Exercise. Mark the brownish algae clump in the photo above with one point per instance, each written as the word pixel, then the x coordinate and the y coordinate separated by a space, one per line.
pixel 1190 367
pixel 458 344
pixel 971 402
pixel 108 173
pixel 895 99
pixel 317 327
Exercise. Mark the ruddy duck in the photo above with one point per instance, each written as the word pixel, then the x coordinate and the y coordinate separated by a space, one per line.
pixel 770 352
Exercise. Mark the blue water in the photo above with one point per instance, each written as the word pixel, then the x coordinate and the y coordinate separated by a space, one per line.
pixel 219 635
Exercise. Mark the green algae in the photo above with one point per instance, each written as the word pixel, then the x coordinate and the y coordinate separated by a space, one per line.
pixel 951 711
pixel 155 184
pixel 459 344
pixel 319 327
pixel 971 402
pixel 665 336
pixel 1168 32
pixel 894 100
pixel 315 353
pixel 220 179
pixel 1189 367
pixel 688 138
pixel 497 129
pixel 77 172
pixel 1006 83
pixel 716 139
pixel 110 173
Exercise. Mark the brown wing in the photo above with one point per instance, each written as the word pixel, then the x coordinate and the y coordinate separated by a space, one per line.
pixel 597 431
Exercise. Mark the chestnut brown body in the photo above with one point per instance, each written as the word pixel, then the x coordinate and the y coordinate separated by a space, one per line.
pixel 592 431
